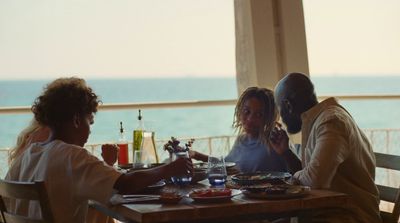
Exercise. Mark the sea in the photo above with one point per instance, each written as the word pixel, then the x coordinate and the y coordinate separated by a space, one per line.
pixel 197 121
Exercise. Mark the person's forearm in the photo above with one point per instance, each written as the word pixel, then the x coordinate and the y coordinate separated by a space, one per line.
pixel 138 180
pixel 200 156
pixel 293 162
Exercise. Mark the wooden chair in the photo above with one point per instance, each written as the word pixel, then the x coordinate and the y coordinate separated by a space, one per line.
pixel 387 193
pixel 24 191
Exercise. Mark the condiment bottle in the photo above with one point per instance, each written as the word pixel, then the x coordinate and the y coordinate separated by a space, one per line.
pixel 123 155
pixel 138 134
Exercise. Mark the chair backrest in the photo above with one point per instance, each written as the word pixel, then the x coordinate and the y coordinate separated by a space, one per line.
pixel 34 191
pixel 386 193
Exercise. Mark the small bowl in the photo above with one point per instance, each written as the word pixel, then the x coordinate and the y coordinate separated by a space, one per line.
pixel 170 198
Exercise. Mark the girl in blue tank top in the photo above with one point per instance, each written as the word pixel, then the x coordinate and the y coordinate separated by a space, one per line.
pixel 255 117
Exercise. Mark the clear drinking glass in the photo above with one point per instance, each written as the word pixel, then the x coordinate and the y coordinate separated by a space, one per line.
pixel 184 179
pixel 148 148
pixel 137 159
pixel 216 170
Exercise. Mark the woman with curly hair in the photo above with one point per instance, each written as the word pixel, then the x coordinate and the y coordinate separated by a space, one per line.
pixel 255 117
pixel 71 174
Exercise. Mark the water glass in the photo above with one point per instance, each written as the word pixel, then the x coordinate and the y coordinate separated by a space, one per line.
pixel 184 179
pixel 148 148
pixel 216 170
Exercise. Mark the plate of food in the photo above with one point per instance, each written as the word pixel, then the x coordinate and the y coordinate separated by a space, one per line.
pixel 261 177
pixel 276 191
pixel 213 194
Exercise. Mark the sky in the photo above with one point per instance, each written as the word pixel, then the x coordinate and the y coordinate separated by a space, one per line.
pixel 360 37
pixel 189 38
pixel 117 38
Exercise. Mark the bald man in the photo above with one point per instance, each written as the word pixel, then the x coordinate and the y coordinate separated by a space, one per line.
pixel 335 153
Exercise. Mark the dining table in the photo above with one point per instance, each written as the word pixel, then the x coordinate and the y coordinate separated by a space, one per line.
pixel 238 207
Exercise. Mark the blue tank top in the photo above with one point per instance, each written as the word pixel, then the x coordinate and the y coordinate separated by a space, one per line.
pixel 251 156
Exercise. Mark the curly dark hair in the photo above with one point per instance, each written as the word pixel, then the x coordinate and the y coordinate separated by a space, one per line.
pixel 270 114
pixel 62 99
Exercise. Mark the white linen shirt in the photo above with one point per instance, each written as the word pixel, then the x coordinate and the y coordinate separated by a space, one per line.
pixel 71 174
pixel 336 155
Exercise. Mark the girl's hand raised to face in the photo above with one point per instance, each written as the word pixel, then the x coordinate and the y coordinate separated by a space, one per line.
pixel 279 139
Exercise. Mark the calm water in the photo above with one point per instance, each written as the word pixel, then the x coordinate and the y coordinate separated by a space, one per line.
pixel 182 122
pixel 186 122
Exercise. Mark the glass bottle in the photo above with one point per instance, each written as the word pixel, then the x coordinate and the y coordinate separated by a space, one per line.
pixel 123 155
pixel 138 134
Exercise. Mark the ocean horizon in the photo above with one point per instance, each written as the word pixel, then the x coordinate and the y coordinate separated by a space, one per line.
pixel 192 122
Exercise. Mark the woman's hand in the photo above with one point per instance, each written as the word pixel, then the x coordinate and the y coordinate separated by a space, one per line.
pixel 109 152
pixel 192 154
pixel 197 156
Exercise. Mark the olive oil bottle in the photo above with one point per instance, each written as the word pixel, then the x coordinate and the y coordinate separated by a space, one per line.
pixel 138 134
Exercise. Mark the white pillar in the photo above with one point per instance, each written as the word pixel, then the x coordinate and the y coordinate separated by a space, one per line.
pixel 270 41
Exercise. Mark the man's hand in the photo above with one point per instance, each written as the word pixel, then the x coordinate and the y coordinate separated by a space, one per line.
pixel 279 140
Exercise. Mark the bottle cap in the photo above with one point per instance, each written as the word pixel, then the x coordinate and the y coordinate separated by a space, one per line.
pixel 140 115
pixel 121 129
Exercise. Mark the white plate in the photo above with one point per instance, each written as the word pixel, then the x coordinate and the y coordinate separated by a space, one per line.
pixel 158 185
pixel 154 187
pixel 234 192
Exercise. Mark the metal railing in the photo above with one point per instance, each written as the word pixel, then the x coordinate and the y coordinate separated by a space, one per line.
pixel 382 140
pixel 196 103
pixel 202 144
pixel 147 105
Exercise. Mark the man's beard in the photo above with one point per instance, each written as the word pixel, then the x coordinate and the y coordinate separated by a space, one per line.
pixel 293 124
